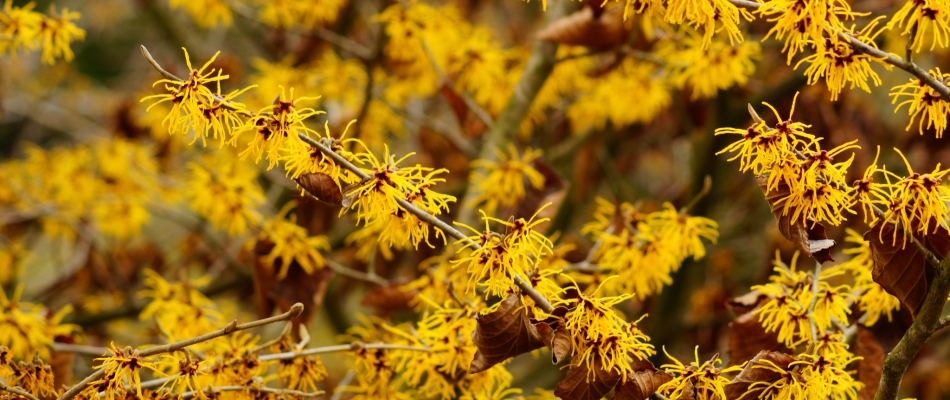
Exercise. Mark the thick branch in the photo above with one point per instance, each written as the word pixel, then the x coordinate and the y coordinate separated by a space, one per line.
pixel 294 311
pixel 926 322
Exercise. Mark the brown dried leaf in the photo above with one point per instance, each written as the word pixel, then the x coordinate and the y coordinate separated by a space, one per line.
pixel 322 187
pixel 746 303
pixel 555 336
pixel 749 375
pixel 870 366
pixel 807 235
pixel 641 385
pixel 584 28
pixel 505 333
pixel 575 385
pixel 903 272
pixel 748 337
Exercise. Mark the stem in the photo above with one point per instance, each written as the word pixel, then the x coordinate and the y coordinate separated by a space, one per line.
pixel 814 300
pixel 523 284
pixel 358 275
pixel 256 389
pixel 294 311
pixel 338 349
pixel 16 390
pixel 79 349
pixel 927 321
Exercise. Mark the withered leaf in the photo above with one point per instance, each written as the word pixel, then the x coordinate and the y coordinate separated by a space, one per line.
pixel 749 375
pixel 322 187
pixel 503 334
pixel 900 269
pixel 555 335
pixel 746 303
pixel 642 384
pixel 748 337
pixel 807 235
pixel 584 28
pixel 872 362
pixel 576 386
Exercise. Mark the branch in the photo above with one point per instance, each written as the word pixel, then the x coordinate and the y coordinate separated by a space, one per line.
pixel 358 275
pixel 256 389
pixel 16 390
pixel 924 325
pixel 539 67
pixel 887 58
pixel 340 348
pixel 79 349
pixel 524 285
pixel 943 323
pixel 294 311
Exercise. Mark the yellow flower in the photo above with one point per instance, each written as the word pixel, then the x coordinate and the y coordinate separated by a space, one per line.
pixel 921 16
pixel 804 22
pixel 873 300
pixel 180 310
pixel 56 33
pixel 19 26
pixel 840 64
pixel 224 190
pixel 26 328
pixel 704 378
pixel 206 13
pixel 713 15
pixel 301 160
pixel 915 204
pixel 292 243
pixel 708 67
pixel 192 374
pixel 275 128
pixel 309 13
pixel 122 368
pixel 501 183
pixel 606 100
pixel 924 101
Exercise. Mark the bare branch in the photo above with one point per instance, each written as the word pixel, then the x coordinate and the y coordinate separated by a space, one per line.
pixel 358 275
pixel 16 390
pixel 294 311
pixel 255 389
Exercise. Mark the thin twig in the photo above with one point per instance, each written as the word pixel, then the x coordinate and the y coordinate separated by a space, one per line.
pixel 256 389
pixel 16 390
pixel 468 100
pixel 814 300
pixel 79 349
pixel 339 349
pixel 294 311
pixel 358 275
pixel 944 321
pixel 338 392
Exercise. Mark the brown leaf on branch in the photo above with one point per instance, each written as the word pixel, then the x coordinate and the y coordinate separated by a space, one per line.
pixel 749 375
pixel 749 337
pixel 321 187
pixel 505 333
pixel 576 386
pixel 870 366
pixel 390 299
pixel 807 235
pixel 642 384
pixel 899 268
pixel 585 28
pixel 555 335
pixel 746 303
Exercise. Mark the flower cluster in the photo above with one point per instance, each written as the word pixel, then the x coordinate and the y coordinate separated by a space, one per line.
pixel 787 159
pixel 22 29
pixel 919 17
pixel 643 249
pixel 798 308
pixel 704 377
pixel 290 243
pixel 840 64
pixel 494 260
pixel 501 182
pixel 27 329
pixel 600 336
pixel 925 102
